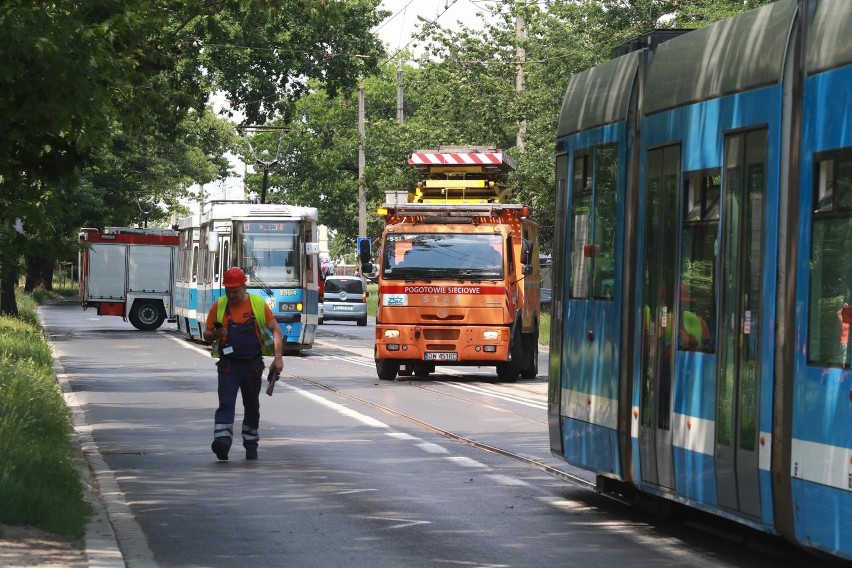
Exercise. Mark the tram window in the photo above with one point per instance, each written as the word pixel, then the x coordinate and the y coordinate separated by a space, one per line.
pixel 580 235
pixel 606 177
pixel 698 263
pixel 195 263
pixel 831 261
pixel 593 228
pixel 217 265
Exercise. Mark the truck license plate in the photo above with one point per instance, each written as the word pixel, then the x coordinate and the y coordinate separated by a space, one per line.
pixel 442 356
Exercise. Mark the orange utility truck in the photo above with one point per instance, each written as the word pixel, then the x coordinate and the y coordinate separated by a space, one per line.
pixel 458 278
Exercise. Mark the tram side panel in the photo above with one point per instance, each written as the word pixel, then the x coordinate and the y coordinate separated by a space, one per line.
pixel 821 453
pixel 595 166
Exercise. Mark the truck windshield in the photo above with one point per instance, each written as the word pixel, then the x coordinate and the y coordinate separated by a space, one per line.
pixel 442 255
pixel 268 251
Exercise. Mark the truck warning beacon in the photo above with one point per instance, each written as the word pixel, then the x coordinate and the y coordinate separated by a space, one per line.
pixel 458 275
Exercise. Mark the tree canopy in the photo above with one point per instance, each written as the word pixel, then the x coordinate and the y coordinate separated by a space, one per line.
pixel 108 119
pixel 99 98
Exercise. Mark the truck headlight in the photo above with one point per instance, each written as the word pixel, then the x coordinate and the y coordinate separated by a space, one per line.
pixel 490 335
pixel 391 334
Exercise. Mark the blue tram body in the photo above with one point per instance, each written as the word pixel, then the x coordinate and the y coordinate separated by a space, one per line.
pixel 277 247
pixel 703 271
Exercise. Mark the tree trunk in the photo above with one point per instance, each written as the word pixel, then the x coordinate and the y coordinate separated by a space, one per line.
pixel 39 274
pixel 8 303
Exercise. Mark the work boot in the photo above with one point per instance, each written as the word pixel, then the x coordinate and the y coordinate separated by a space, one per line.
pixel 220 448
pixel 251 453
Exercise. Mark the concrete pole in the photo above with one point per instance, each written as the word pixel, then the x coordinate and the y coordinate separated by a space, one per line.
pixel 521 55
pixel 362 194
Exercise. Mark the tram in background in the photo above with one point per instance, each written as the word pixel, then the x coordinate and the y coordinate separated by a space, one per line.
pixel 276 245
pixel 703 271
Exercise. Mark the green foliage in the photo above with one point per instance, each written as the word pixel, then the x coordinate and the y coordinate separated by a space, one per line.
pixel 104 103
pixel 39 481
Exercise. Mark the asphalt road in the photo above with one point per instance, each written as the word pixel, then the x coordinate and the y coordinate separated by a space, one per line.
pixel 450 471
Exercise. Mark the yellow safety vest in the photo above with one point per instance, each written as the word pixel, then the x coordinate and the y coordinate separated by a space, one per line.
pixel 267 343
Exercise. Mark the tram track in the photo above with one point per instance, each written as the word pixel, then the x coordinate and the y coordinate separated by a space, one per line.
pixel 550 470
pixel 713 526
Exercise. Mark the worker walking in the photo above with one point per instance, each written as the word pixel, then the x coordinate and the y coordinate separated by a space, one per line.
pixel 243 330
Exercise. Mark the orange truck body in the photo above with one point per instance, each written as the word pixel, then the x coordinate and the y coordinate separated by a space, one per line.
pixel 459 279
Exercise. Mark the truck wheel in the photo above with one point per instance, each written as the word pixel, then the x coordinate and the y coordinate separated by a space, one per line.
pixel 530 370
pixel 507 372
pixel 422 370
pixel 147 315
pixel 387 370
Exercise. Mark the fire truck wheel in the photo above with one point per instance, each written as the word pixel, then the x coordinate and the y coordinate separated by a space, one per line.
pixel 147 315
pixel 387 370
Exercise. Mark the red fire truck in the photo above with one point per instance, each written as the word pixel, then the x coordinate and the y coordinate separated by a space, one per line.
pixel 129 272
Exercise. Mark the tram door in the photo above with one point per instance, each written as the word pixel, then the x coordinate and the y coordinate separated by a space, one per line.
pixel 658 336
pixel 737 424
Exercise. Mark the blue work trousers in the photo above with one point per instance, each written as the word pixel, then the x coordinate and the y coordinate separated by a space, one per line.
pixel 242 375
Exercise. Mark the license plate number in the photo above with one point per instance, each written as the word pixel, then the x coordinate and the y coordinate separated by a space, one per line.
pixel 343 308
pixel 442 356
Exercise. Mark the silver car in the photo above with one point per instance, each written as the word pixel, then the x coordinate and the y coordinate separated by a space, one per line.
pixel 345 299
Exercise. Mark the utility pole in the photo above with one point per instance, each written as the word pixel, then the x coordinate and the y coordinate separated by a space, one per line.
pixel 521 55
pixel 399 93
pixel 362 194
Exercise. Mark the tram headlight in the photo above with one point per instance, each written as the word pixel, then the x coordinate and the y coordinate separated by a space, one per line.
pixel 290 307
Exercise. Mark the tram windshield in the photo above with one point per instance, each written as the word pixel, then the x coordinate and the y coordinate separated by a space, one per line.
pixel 268 252
pixel 443 255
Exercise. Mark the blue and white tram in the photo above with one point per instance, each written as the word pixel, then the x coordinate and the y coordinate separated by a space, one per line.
pixel 186 278
pixel 277 247
pixel 703 271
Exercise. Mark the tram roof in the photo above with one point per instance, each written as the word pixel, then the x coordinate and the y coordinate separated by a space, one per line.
pixel 733 55
pixel 830 36
pixel 599 96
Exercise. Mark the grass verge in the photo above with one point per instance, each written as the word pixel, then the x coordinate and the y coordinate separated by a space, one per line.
pixel 40 484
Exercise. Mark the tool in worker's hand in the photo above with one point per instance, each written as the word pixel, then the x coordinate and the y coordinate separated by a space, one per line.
pixel 271 378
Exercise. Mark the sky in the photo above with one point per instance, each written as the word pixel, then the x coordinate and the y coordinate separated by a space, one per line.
pixel 396 31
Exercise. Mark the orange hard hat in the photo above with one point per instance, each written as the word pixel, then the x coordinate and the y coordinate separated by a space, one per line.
pixel 234 277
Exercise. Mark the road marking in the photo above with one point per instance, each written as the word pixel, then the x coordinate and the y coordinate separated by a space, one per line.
pixel 401 523
pixel 507 480
pixel 431 448
pixel 504 396
pixel 362 418
pixel 188 345
pixel 401 436
pixel 466 462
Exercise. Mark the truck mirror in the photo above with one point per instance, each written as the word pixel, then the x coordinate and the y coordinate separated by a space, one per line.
pixel 213 241
pixel 526 253
pixel 364 252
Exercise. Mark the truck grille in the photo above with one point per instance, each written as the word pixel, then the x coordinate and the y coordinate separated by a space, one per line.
pixel 441 334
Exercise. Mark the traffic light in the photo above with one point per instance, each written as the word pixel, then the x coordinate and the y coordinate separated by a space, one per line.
pixel 365 254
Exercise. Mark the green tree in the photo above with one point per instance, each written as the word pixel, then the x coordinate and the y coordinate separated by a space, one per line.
pixel 82 80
